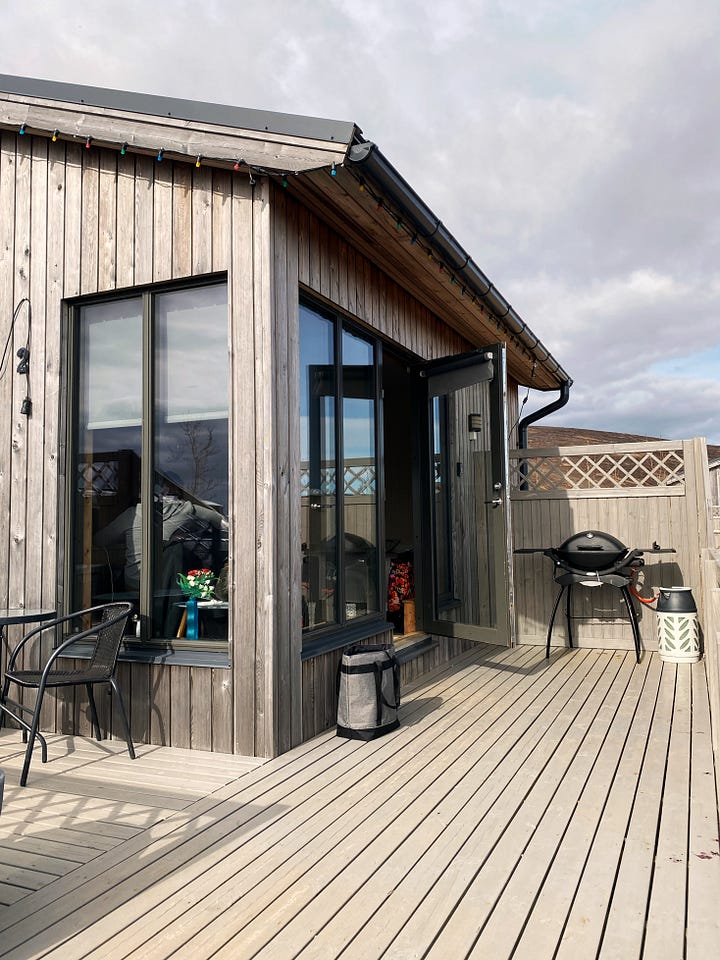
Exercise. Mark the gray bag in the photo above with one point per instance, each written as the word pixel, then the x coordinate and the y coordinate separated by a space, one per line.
pixel 368 688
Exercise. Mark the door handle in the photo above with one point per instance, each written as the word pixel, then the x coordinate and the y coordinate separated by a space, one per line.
pixel 497 502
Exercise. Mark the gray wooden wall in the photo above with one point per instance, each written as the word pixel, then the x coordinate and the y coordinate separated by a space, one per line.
pixel 634 504
pixel 77 222
pixel 310 256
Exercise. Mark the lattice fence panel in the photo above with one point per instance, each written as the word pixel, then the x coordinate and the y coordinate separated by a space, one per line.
pixel 599 470
pixel 359 479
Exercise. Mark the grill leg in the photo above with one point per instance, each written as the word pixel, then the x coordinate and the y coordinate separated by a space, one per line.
pixel 567 615
pixel 633 621
pixel 552 620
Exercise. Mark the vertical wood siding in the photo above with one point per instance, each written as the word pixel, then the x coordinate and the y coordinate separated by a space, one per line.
pixel 91 221
pixel 675 516
pixel 77 221
pixel 309 255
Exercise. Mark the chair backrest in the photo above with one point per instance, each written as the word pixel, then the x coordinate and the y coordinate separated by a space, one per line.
pixel 108 636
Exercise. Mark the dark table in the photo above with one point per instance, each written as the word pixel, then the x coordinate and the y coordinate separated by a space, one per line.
pixel 11 615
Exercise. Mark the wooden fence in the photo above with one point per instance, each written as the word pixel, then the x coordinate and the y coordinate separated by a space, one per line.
pixel 640 493
pixel 711 642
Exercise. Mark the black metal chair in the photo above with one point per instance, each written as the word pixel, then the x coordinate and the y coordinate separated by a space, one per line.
pixel 106 636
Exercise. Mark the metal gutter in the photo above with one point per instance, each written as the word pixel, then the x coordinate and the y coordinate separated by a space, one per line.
pixel 415 213
pixel 266 121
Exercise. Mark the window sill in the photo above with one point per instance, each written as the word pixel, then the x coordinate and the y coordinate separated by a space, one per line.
pixel 181 654
pixel 344 636
pixel 414 645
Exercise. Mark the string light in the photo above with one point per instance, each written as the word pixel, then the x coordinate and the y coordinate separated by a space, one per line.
pixel 362 187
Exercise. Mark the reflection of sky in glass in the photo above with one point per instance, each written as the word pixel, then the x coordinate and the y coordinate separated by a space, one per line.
pixel 358 412
pixel 110 364
pixel 193 354
pixel 316 349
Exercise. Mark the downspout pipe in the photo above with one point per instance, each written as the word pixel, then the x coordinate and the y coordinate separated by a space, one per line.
pixel 542 413
pixel 533 418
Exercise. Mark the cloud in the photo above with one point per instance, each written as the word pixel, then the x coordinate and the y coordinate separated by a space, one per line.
pixel 570 146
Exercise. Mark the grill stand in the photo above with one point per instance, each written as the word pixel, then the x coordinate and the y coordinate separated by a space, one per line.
pixel 567 580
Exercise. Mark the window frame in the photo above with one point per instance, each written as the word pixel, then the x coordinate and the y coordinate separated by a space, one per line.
pixel 69 399
pixel 344 630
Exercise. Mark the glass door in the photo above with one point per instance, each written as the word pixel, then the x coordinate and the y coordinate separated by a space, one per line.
pixel 464 569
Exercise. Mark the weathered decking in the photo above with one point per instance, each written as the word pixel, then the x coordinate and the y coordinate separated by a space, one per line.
pixel 522 809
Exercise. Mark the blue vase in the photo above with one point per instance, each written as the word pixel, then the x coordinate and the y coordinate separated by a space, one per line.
pixel 191 630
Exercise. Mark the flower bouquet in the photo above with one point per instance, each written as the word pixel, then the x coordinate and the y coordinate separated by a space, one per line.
pixel 198 584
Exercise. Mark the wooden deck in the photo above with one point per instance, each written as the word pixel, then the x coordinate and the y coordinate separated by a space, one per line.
pixel 523 809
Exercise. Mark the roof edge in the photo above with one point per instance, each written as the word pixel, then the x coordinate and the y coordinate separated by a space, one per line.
pixel 266 121
pixel 414 211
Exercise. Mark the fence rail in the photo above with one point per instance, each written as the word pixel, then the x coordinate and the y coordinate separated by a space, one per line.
pixel 629 469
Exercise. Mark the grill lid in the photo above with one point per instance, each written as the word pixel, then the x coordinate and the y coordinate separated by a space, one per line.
pixel 591 550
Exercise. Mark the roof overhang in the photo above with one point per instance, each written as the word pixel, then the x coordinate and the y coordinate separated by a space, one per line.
pixel 344 178
pixel 181 129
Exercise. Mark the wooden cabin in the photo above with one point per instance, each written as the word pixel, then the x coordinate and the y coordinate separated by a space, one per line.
pixel 253 323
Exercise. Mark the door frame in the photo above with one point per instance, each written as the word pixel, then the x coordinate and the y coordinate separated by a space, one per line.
pixel 437 378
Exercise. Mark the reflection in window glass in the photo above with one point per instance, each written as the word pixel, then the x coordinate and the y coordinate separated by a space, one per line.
pixel 318 497
pixel 338 494
pixel 190 450
pixel 107 533
pixel 441 501
pixel 360 476
pixel 187 424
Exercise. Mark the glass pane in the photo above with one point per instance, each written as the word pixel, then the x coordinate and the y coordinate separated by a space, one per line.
pixel 462 522
pixel 318 497
pixel 191 458
pixel 360 477
pixel 441 502
pixel 106 534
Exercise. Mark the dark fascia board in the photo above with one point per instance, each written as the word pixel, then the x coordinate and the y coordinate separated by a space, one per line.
pixel 283 124
pixel 376 169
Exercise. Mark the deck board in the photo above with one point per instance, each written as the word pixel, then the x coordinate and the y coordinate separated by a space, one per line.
pixel 524 808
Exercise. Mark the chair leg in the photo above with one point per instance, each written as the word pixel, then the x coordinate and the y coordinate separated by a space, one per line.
pixel 552 620
pixel 3 698
pixel 633 621
pixel 123 717
pixel 33 732
pixel 93 711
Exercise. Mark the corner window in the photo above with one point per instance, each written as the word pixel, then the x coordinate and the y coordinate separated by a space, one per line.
pixel 149 385
pixel 339 477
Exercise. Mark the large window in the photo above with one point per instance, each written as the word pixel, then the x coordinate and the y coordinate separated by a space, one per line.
pixel 339 477
pixel 149 384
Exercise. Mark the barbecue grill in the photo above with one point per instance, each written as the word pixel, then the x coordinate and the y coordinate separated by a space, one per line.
pixel 592 558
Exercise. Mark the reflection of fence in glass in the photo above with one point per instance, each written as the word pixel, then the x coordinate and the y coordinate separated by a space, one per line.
pixel 359 479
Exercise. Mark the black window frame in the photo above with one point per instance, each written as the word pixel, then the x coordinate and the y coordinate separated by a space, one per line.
pixel 345 630
pixel 147 294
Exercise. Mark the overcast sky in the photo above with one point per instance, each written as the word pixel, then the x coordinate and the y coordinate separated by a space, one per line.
pixel 572 147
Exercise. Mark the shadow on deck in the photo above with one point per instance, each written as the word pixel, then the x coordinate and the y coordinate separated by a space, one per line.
pixel 523 809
